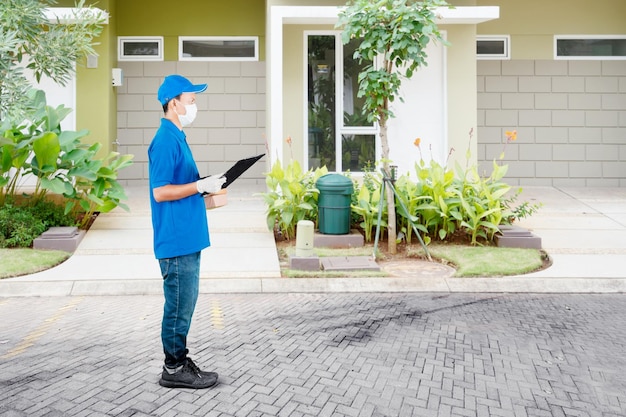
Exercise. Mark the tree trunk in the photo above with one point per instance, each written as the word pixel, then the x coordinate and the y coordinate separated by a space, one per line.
pixel 391 202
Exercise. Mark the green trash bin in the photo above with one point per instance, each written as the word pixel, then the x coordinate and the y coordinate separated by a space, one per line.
pixel 334 204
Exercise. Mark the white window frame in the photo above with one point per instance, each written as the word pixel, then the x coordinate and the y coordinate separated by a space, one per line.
pixel 506 39
pixel 182 39
pixel 586 57
pixel 121 40
pixel 341 128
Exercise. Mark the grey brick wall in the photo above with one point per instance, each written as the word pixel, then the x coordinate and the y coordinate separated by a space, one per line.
pixel 231 115
pixel 570 117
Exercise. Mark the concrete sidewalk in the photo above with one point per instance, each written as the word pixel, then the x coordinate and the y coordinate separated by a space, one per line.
pixel 582 229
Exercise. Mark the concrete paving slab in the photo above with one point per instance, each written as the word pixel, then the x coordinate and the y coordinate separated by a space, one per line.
pixel 235 262
pixel 99 267
pixel 590 240
pixel 584 266
pixel 619 218
pixel 594 193
pixel 569 221
pixel 241 240
pixel 349 263
pixel 128 222
pixel 117 239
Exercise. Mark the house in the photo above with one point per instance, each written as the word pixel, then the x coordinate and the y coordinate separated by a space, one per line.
pixel 553 71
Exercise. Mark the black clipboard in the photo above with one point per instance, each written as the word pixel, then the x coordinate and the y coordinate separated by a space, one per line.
pixel 239 168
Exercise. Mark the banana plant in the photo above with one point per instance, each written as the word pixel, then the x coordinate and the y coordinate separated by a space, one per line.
pixel 292 197
pixel 414 202
pixel 367 209
pixel 59 161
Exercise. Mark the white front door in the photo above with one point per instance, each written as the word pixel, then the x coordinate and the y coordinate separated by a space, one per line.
pixel 421 115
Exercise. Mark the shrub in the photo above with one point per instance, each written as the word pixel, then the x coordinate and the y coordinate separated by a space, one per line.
pixel 366 204
pixel 21 224
pixel 292 197
pixel 59 161
pixel 441 202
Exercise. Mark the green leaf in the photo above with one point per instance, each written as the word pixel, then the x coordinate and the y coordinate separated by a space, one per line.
pixel 55 185
pixel 47 149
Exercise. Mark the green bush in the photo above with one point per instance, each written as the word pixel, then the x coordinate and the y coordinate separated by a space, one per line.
pixel 21 224
pixel 366 204
pixel 292 197
pixel 440 203
pixel 59 161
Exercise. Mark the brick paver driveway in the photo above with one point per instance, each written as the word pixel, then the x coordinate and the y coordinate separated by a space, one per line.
pixel 321 355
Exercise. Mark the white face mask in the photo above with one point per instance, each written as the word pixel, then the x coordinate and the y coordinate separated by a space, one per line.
pixel 188 118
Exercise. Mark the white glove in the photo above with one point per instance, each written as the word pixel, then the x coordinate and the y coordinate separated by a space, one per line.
pixel 210 184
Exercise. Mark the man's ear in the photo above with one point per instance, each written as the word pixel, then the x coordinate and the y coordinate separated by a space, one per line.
pixel 170 105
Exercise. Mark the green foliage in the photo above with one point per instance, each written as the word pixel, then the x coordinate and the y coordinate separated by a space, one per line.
pixel 292 197
pixel 441 203
pixel 367 204
pixel 414 202
pixel 521 211
pixel 60 162
pixel 440 214
pixel 52 51
pixel 451 201
pixel 482 202
pixel 21 223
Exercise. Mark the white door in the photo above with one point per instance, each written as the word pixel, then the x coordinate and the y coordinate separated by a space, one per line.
pixel 422 115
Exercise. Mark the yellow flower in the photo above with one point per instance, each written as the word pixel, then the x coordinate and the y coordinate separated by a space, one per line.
pixel 288 140
pixel 511 135
pixel 417 142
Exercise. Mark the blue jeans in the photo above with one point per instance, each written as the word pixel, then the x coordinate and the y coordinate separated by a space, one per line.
pixel 181 276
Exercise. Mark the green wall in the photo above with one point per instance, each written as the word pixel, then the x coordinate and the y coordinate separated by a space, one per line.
pixel 532 24
pixel 190 18
pixel 96 100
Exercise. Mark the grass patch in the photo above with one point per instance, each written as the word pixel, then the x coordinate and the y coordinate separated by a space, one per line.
pixel 488 261
pixel 16 262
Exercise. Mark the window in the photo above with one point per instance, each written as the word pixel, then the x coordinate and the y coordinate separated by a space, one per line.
pixel 140 48
pixel 209 48
pixel 493 47
pixel 590 47
pixel 339 135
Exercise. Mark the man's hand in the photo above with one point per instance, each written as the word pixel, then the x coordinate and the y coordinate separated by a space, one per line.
pixel 210 184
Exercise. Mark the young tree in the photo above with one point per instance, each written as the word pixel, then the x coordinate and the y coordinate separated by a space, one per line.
pixel 28 39
pixel 394 35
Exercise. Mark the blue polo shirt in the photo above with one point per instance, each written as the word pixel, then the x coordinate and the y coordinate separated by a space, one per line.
pixel 180 227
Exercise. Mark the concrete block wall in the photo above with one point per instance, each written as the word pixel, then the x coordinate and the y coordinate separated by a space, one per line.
pixel 570 118
pixel 231 115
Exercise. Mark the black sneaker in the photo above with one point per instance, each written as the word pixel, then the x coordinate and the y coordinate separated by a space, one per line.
pixel 200 371
pixel 188 376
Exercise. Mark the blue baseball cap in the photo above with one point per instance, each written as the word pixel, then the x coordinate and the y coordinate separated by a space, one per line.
pixel 174 85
